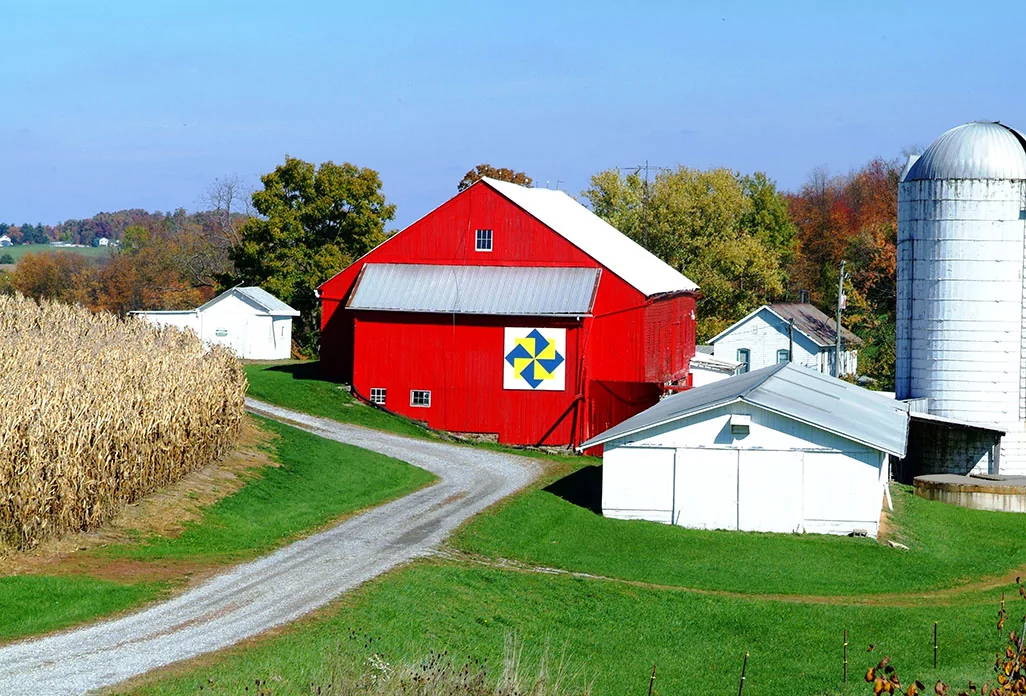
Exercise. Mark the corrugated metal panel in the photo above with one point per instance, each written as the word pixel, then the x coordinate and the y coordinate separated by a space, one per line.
pixel 268 301
pixel 977 150
pixel 491 290
pixel 796 392
pixel 597 238
pixel 814 323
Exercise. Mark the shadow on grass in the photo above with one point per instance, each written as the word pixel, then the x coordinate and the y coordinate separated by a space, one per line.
pixel 304 371
pixel 582 488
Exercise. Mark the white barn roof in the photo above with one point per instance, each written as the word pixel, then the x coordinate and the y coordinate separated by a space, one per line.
pixel 597 238
pixel 264 301
pixel 795 392
pixel 497 290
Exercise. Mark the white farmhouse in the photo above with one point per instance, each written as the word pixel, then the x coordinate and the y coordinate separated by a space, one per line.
pixel 763 338
pixel 781 449
pixel 5 241
pixel 249 320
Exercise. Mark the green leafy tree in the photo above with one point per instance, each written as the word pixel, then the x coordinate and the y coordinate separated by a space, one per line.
pixel 315 221
pixel 6 259
pixel 500 173
pixel 728 233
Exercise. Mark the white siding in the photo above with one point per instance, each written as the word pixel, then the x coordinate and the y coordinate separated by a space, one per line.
pixel 782 476
pixel 701 376
pixel 765 333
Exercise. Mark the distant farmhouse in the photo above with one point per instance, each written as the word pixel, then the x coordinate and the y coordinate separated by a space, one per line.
pixel 251 321
pixel 5 241
pixel 513 312
pixel 764 338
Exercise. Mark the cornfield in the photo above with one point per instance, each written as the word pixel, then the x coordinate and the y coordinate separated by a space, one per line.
pixel 96 412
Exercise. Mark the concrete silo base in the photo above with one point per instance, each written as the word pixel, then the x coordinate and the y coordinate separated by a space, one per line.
pixel 998 493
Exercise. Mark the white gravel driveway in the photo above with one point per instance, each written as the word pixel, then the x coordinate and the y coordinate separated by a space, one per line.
pixel 279 588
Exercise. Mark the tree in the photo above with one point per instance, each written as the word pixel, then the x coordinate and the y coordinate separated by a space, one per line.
pixel 315 222
pixel 728 233
pixel 500 173
pixel 6 259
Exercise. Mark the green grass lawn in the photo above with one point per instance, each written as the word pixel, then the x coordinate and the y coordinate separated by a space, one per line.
pixel 948 546
pixel 318 481
pixel 31 604
pixel 20 250
pixel 614 632
pixel 297 385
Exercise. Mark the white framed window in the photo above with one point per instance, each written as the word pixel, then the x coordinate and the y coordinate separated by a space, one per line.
pixel 483 240
pixel 744 356
pixel 420 397
pixel 783 355
pixel 377 395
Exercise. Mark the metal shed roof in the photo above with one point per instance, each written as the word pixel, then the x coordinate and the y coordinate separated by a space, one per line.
pixel 799 393
pixel 977 150
pixel 257 296
pixel 597 238
pixel 504 290
pixel 808 319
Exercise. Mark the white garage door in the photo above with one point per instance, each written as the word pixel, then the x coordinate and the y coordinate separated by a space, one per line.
pixel 637 483
pixel 706 489
pixel 769 491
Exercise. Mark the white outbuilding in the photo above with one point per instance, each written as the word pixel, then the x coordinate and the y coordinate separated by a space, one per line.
pixel 706 368
pixel 769 334
pixel 249 320
pixel 781 449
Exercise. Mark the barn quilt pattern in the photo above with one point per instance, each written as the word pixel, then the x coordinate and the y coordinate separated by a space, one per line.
pixel 534 359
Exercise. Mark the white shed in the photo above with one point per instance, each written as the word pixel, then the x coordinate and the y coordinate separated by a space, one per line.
pixel 763 338
pixel 781 449
pixel 707 368
pixel 249 320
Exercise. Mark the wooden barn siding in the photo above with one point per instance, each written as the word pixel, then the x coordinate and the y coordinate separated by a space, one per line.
pixel 459 359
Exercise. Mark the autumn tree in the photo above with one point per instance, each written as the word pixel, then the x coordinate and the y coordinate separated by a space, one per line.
pixel 729 233
pixel 500 173
pixel 63 276
pixel 315 221
pixel 853 218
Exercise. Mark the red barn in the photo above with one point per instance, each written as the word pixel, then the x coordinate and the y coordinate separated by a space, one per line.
pixel 510 311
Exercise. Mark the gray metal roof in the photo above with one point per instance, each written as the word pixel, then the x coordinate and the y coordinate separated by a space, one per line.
pixel 977 150
pixel 257 296
pixel 503 290
pixel 814 323
pixel 800 393
pixel 266 300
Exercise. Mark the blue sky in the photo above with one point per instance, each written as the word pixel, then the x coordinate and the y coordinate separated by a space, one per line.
pixel 111 105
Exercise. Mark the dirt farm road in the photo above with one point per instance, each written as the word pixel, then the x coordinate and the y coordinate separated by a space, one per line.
pixel 276 589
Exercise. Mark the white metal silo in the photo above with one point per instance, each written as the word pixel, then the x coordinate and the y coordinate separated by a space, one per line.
pixel 961 231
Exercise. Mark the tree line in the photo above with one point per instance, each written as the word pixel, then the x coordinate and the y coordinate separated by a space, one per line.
pixel 740 238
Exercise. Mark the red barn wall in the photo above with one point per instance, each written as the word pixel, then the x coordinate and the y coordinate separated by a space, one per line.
pixel 459 359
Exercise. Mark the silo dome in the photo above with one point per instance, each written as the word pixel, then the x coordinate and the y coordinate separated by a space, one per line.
pixel 961 333
pixel 977 150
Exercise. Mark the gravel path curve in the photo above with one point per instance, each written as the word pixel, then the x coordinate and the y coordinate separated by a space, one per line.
pixel 281 587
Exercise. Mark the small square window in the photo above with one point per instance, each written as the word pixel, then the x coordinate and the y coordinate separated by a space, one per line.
pixel 420 397
pixel 744 356
pixel 783 355
pixel 377 395
pixel 483 240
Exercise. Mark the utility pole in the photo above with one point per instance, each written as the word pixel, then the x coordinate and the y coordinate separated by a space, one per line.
pixel 840 305
pixel 790 340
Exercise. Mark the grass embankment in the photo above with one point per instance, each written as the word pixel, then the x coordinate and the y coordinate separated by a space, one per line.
pixel 318 481
pixel 691 602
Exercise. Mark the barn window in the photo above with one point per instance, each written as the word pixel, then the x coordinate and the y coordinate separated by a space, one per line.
pixel 783 355
pixel 377 395
pixel 744 356
pixel 420 397
pixel 483 240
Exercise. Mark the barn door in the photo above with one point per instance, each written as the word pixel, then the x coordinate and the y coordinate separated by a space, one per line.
pixel 705 489
pixel 769 491
pixel 637 484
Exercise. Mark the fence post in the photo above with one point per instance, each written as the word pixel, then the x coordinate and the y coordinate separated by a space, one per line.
pixel 845 678
pixel 744 668
pixel 651 681
pixel 935 645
